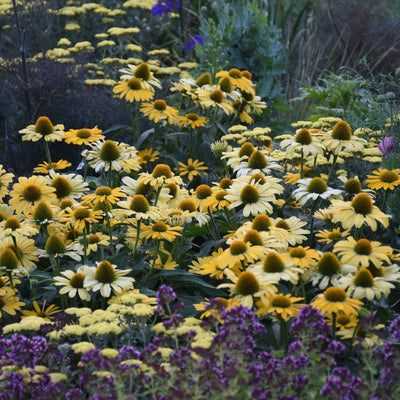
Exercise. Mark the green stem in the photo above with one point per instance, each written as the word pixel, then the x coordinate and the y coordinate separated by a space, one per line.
pixel 109 228
pixel 301 164
pixel 335 156
pixel 385 196
pixel 9 273
pixel 137 239
pixel 154 259
pixel 47 150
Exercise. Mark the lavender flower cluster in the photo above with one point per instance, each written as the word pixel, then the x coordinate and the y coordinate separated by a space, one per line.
pixel 237 364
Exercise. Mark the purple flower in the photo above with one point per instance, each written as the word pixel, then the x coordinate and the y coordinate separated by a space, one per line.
pixel 395 328
pixel 191 44
pixel 388 144
pixel 165 7
pixel 165 294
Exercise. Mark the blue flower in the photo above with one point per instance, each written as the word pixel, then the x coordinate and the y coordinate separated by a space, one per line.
pixel 191 44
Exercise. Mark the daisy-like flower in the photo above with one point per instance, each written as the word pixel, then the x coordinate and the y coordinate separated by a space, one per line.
pixel 255 198
pixel 81 216
pixel 303 257
pixel 332 236
pixel 83 136
pixel 5 180
pixel 133 90
pixel 137 207
pixel 363 285
pixel 28 192
pixel 343 321
pixel 55 247
pixel 106 277
pixel 295 234
pixel 104 197
pixel 362 252
pixel 216 200
pixel 275 269
pixel 159 110
pixel 71 283
pixel 42 312
pixel 147 156
pixel 240 252
pixel 10 303
pixel 45 167
pixel 67 186
pixel 24 251
pixel 238 79
pixel 211 97
pixel 358 212
pixel 192 120
pixel 247 287
pixel 314 189
pixel 384 179
pixel 284 306
pixel 160 176
pixel 335 300
pixel 106 155
pixel 340 138
pixel 258 162
pixel 43 129
pixel 236 155
pixel 161 231
pixel 143 73
pixel 327 271
pixel 302 143
pixel 209 266
pixel 94 240
pixel 192 168
pixel 15 225
pixel 390 273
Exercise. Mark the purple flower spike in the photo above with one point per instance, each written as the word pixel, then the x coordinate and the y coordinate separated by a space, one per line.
pixel 388 145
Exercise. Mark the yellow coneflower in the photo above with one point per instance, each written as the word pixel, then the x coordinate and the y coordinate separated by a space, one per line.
pixel 133 90
pixel 361 252
pixel 159 110
pixel 72 283
pixel 384 179
pixel 104 197
pixel 143 73
pixel 161 231
pixel 81 216
pixel 192 168
pixel 43 129
pixel 331 236
pixel 147 155
pixel 110 155
pixel 363 285
pixel 284 306
pixel 192 120
pixel 5 180
pixel 247 287
pixel 28 192
pixel 67 186
pixel 83 136
pixel 45 313
pixel 358 212
pixel 10 303
pixel 335 300
pixel 106 277
pixel 45 167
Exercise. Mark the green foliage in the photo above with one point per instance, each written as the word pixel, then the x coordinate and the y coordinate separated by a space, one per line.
pixel 240 36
